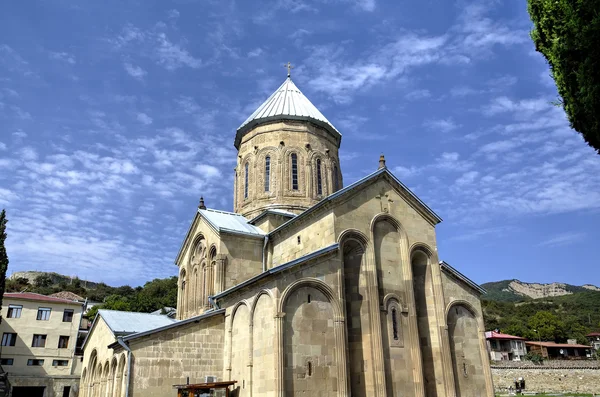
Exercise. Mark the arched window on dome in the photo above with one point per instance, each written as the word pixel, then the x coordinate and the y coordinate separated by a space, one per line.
pixel 246 181
pixel 319 178
pixel 336 179
pixel 267 173
pixel 294 171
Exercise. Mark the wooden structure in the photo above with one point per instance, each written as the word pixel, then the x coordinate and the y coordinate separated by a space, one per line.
pixel 205 389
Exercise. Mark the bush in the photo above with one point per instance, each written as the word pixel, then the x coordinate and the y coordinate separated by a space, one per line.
pixel 534 358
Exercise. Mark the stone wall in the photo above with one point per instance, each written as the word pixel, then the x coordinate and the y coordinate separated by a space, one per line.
pixel 549 380
pixel 166 358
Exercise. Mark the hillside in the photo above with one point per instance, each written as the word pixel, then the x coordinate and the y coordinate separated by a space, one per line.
pixel 516 291
pixel 571 315
pixel 154 295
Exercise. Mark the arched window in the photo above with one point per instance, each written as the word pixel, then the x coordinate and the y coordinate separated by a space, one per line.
pixel 294 171
pixel 394 324
pixel 319 179
pixel 267 173
pixel 246 181
pixel 336 180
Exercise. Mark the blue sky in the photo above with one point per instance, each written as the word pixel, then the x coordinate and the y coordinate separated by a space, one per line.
pixel 116 116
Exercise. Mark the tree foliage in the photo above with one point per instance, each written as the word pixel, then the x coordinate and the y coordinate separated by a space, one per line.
pixel 3 255
pixel 567 33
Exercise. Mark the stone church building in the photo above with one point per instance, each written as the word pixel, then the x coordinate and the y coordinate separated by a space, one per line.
pixel 309 288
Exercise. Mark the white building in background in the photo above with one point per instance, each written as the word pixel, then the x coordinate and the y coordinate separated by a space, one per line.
pixel 504 347
pixel 39 336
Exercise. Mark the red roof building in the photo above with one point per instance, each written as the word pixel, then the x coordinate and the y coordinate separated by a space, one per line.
pixel 30 296
pixel 504 347
pixel 560 351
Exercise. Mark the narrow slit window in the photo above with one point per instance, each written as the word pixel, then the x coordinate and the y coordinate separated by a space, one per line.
pixel 336 180
pixel 294 171
pixel 308 298
pixel 394 324
pixel 319 178
pixel 267 173
pixel 246 181
pixel 309 368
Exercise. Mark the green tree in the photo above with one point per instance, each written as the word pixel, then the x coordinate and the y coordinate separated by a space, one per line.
pixel 546 326
pixel 3 256
pixel 567 33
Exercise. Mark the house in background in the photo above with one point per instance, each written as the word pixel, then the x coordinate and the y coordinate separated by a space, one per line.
pixel 594 339
pixel 504 347
pixel 39 335
pixel 560 351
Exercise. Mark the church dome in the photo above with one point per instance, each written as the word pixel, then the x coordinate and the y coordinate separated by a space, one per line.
pixel 287 155
pixel 286 103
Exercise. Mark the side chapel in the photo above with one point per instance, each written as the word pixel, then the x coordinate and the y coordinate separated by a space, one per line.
pixel 309 287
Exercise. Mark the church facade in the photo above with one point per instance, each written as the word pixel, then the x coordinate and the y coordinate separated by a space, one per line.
pixel 309 286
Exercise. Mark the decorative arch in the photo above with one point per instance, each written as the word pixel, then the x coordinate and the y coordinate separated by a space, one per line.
pixel 112 377
pixel 383 216
pixel 353 234
pixel 467 305
pixel 120 378
pixel 318 285
pixel 422 247
pixel 183 293
pixel 468 351
pixel 261 175
pixel 288 172
pixel 84 383
pixel 255 301
pixel 319 169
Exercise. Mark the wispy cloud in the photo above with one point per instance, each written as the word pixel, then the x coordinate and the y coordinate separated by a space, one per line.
pixel 135 71
pixel 63 56
pixel 144 118
pixel 562 239
pixel 442 125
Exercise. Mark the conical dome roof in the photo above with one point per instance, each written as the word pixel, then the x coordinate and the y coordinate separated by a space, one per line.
pixel 286 103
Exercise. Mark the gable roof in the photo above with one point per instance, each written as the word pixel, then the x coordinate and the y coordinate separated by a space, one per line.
pixel 417 203
pixel 230 222
pixel 458 275
pixel 67 295
pixel 174 324
pixel 273 211
pixel 31 296
pixel 125 323
pixel 286 103
pixel 221 222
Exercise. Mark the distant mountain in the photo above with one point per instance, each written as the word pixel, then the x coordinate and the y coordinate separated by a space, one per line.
pixel 516 291
pixel 54 278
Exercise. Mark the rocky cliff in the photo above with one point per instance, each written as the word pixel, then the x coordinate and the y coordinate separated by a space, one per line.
pixel 514 290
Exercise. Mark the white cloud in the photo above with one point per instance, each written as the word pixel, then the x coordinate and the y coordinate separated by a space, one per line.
pixel 255 52
pixel 2 146
pixel 208 171
pixel 63 56
pixel 144 118
pixel 562 239
pixel 503 105
pixel 415 95
pixel 173 56
pixel 443 125
pixel 134 71
pixel 366 5
pixel 173 14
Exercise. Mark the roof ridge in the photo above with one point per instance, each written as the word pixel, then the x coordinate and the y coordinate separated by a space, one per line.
pixel 223 212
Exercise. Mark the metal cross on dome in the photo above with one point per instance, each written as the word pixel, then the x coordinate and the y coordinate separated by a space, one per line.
pixel 289 68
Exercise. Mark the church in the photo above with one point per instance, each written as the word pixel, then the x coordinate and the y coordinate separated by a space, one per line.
pixel 308 288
